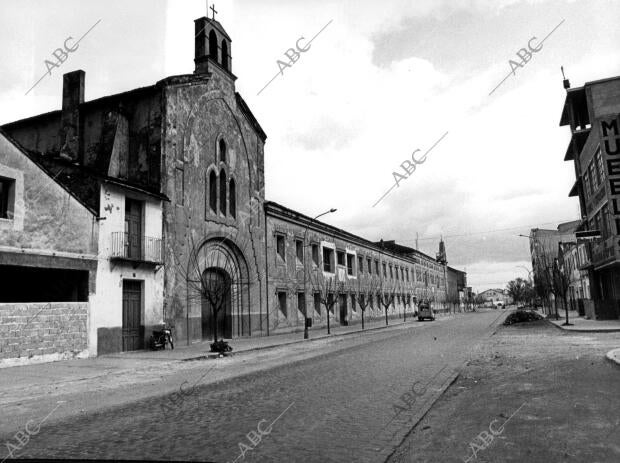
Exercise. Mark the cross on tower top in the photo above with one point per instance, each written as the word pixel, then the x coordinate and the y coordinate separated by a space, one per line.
pixel 212 8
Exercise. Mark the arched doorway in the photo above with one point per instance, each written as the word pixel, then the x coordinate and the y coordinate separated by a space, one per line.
pixel 219 289
pixel 216 304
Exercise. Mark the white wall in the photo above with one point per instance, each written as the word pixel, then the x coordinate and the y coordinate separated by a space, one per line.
pixel 107 303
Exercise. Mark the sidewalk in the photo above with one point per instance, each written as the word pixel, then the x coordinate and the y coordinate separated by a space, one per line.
pixel 583 325
pixel 200 350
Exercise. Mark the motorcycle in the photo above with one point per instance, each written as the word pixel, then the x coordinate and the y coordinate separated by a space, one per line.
pixel 161 337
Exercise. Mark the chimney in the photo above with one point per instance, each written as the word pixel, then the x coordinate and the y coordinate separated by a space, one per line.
pixel 70 123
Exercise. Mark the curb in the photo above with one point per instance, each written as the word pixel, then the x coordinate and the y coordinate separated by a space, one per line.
pixel 297 341
pixel 583 330
pixel 614 356
pixel 401 435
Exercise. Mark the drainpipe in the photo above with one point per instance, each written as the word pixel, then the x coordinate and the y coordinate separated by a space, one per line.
pixel 266 272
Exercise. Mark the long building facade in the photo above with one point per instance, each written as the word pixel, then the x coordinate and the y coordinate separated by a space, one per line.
pixel 170 183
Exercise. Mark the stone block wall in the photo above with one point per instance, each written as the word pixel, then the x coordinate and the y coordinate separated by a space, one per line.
pixel 38 332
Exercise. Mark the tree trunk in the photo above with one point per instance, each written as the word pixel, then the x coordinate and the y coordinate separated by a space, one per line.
pixel 214 323
pixel 328 332
pixel 386 316
pixel 362 320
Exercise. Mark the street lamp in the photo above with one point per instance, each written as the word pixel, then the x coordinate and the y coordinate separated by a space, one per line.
pixel 305 270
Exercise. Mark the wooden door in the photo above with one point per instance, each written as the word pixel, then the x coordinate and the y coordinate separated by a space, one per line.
pixel 343 309
pixel 133 228
pixel 217 307
pixel 132 331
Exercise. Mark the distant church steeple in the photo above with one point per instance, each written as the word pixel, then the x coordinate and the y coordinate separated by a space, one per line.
pixel 441 255
pixel 212 47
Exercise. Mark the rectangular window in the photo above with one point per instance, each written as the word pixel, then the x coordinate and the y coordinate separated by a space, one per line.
pixel 299 250
pixel 340 255
pixel 600 165
pixel 353 306
pixel 369 265
pixel 179 186
pixel 350 261
pixel 301 303
pixel 7 194
pixel 391 273
pixel 377 267
pixel 360 265
pixel 282 302
pixel 317 303
pixel 606 220
pixel 407 273
pixel 586 184
pixel 593 177
pixel 315 254
pixel 384 270
pixel 280 247
pixel 328 260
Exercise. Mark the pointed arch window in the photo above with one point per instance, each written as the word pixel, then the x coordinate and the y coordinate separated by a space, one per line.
pixel 213 45
pixel 223 188
pixel 232 198
pixel 222 151
pixel 213 191
pixel 224 55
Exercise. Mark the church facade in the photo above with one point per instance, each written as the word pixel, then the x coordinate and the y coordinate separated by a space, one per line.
pixel 183 223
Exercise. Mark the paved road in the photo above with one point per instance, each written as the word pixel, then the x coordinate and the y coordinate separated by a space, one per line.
pixel 353 404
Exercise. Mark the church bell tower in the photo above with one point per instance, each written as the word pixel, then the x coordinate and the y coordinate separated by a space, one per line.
pixel 212 47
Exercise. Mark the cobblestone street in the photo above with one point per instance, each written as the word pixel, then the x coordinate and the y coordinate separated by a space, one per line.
pixel 354 401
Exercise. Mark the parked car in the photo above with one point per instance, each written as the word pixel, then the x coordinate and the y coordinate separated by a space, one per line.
pixel 425 311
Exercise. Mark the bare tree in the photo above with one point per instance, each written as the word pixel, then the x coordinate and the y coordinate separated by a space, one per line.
pixel 211 276
pixel 561 282
pixel 329 289
pixel 365 294
pixel 385 297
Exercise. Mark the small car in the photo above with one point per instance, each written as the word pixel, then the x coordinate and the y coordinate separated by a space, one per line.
pixel 425 311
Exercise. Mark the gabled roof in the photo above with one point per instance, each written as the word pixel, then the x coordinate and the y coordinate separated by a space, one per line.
pixel 57 176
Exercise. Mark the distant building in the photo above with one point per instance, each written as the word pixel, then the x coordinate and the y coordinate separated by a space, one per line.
pixel 544 252
pixel 494 295
pixel 572 256
pixel 457 286
pixel 593 114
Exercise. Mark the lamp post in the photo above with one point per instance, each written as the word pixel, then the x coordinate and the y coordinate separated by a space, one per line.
pixel 305 265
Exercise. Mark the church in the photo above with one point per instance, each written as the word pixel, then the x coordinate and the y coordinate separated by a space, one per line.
pixel 165 190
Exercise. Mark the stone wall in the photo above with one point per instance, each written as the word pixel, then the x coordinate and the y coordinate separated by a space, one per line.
pixel 40 332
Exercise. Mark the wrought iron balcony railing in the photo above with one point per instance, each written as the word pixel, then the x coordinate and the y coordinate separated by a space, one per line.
pixel 136 248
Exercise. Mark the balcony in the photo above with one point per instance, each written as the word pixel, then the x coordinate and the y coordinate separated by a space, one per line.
pixel 136 249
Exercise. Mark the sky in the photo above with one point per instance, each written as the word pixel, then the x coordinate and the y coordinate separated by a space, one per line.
pixel 379 81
